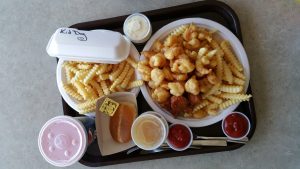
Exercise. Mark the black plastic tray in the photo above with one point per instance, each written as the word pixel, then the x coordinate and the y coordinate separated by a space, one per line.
pixel 213 10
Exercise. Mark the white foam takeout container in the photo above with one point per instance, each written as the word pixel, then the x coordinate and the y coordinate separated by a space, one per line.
pixel 96 46
pixel 99 46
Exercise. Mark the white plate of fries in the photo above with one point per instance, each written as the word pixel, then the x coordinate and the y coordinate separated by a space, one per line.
pixel 82 83
pixel 217 75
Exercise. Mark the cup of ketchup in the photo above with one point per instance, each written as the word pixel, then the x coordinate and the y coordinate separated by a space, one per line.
pixel 236 125
pixel 180 137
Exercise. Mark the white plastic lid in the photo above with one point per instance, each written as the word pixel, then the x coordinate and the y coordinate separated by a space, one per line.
pixel 62 141
pixel 99 46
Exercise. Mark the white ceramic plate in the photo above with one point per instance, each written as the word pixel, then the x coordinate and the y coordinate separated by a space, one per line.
pixel 61 78
pixel 107 144
pixel 225 34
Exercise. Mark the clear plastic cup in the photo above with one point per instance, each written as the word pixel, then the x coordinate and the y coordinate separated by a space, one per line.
pixel 63 140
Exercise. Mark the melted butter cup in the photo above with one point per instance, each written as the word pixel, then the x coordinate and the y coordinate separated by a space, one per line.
pixel 148 131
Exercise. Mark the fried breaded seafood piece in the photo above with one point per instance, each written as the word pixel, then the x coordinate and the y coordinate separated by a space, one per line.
pixel 160 95
pixel 182 65
pixel 157 75
pixel 157 60
pixel 172 52
pixel 178 105
pixel 176 88
pixel 194 99
pixel 192 86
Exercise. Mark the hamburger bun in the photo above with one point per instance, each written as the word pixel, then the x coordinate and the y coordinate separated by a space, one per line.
pixel 121 122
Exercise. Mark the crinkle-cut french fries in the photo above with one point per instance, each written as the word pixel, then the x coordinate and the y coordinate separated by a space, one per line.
pixel 86 82
pixel 179 30
pixel 192 51
pixel 135 83
pixel 81 90
pixel 97 87
pixel 91 74
pixel 200 105
pixel 238 81
pixel 227 73
pixel 228 103
pixel 231 88
pixel 83 66
pixel 229 56
pixel 241 97
pixel 236 72
pixel 214 99
pixel 125 82
pixel 73 93
pixel 69 75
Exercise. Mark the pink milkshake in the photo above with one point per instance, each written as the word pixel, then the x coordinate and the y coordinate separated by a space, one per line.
pixel 63 140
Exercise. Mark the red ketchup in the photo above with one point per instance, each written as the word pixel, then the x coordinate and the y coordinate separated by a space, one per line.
pixel 179 136
pixel 236 125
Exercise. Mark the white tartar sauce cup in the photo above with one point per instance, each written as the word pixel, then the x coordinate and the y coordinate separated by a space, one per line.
pixel 137 28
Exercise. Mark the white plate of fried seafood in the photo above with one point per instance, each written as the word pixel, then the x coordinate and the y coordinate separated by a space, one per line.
pixel 195 70
pixel 82 83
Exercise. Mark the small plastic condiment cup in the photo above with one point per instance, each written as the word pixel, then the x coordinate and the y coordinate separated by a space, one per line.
pixel 237 138
pixel 63 140
pixel 147 34
pixel 162 122
pixel 188 145
pixel 161 117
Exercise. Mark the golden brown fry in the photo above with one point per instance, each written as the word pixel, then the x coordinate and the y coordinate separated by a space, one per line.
pixel 227 73
pixel 84 66
pixel 136 83
pixel 228 103
pixel 241 97
pixel 104 87
pixel 81 89
pixel 229 56
pixel 236 73
pixel 69 90
pixel 214 99
pixel 98 88
pixel 132 62
pixel 69 76
pixel 91 74
pixel 238 81
pixel 113 76
pixel 231 88
pixel 92 94
pixel 213 90
pixel 102 69
pixel 121 77
pixel 125 82
pixel 200 105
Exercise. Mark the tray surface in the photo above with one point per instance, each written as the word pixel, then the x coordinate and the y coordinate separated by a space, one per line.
pixel 213 10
